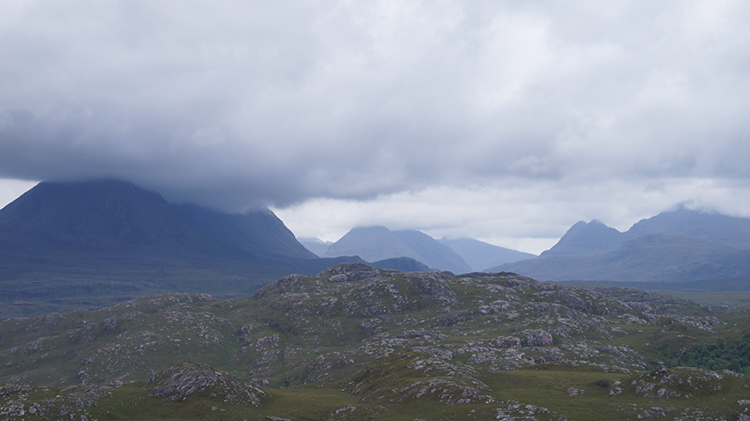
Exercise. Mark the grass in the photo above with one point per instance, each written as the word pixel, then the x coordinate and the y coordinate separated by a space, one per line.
pixel 303 331
pixel 548 388
pixel 723 299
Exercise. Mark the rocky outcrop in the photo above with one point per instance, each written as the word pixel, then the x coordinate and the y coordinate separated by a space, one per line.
pixel 418 375
pixel 179 382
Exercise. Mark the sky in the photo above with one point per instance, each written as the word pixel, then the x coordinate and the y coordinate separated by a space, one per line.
pixel 506 121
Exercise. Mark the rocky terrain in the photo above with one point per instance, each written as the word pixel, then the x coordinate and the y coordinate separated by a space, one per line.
pixel 354 342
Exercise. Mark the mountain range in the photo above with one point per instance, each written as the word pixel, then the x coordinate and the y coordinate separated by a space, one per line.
pixel 92 244
pixel 378 243
pixel 351 341
pixel 460 256
pixel 95 243
pixel 676 246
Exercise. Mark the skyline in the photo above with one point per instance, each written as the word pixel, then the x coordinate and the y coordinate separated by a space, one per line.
pixel 503 121
pixel 12 189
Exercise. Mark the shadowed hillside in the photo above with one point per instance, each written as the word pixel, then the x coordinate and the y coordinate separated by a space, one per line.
pixel 91 244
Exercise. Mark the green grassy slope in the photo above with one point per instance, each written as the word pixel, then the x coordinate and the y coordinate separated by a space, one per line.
pixel 358 343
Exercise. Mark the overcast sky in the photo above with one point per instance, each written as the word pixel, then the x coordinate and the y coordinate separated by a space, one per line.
pixel 506 121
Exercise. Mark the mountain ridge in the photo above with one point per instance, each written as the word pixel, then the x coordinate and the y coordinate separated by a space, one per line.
pixel 93 243
pixel 656 249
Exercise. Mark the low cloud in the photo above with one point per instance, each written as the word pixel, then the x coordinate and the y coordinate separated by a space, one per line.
pixel 234 104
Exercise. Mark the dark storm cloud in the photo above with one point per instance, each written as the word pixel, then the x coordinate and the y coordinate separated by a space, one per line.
pixel 234 103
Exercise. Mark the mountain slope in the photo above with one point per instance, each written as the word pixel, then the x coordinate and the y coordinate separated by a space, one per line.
pixel 653 257
pixel 259 232
pixel 98 215
pixel 675 246
pixel 90 244
pixel 379 243
pixel 720 229
pixel 584 238
pixel 480 255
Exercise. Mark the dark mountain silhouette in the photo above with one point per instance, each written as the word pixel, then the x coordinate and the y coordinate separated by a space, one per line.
pixel 98 242
pixel 379 243
pixel 259 232
pixel 480 255
pixel 676 246
pixel 97 215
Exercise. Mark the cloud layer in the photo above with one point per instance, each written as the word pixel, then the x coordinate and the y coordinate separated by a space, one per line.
pixel 233 103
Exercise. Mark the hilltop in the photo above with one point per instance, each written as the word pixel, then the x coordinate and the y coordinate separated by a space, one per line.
pixel 355 342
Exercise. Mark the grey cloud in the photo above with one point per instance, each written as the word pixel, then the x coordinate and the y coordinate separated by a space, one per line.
pixel 236 103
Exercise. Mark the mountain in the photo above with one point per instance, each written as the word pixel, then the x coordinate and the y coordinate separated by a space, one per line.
pixel 380 243
pixel 653 257
pixel 676 246
pixel 584 238
pixel 594 237
pixel 315 245
pixel 480 255
pixel 710 226
pixel 97 216
pixel 89 244
pixel 357 343
pixel 404 264
pixel 259 232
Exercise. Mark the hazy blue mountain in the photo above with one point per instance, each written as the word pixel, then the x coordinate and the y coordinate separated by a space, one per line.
pixel 481 256
pixel 587 238
pixel 379 243
pixel 594 237
pixel 676 246
pixel 315 245
pixel 710 226
pixel 651 257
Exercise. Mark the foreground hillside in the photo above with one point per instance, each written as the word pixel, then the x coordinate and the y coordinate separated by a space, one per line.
pixel 354 342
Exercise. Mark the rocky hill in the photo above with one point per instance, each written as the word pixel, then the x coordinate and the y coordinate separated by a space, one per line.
pixel 355 342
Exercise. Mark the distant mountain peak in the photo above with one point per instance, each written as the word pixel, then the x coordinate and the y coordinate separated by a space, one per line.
pixel 583 238
pixel 375 243
pixel 106 213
